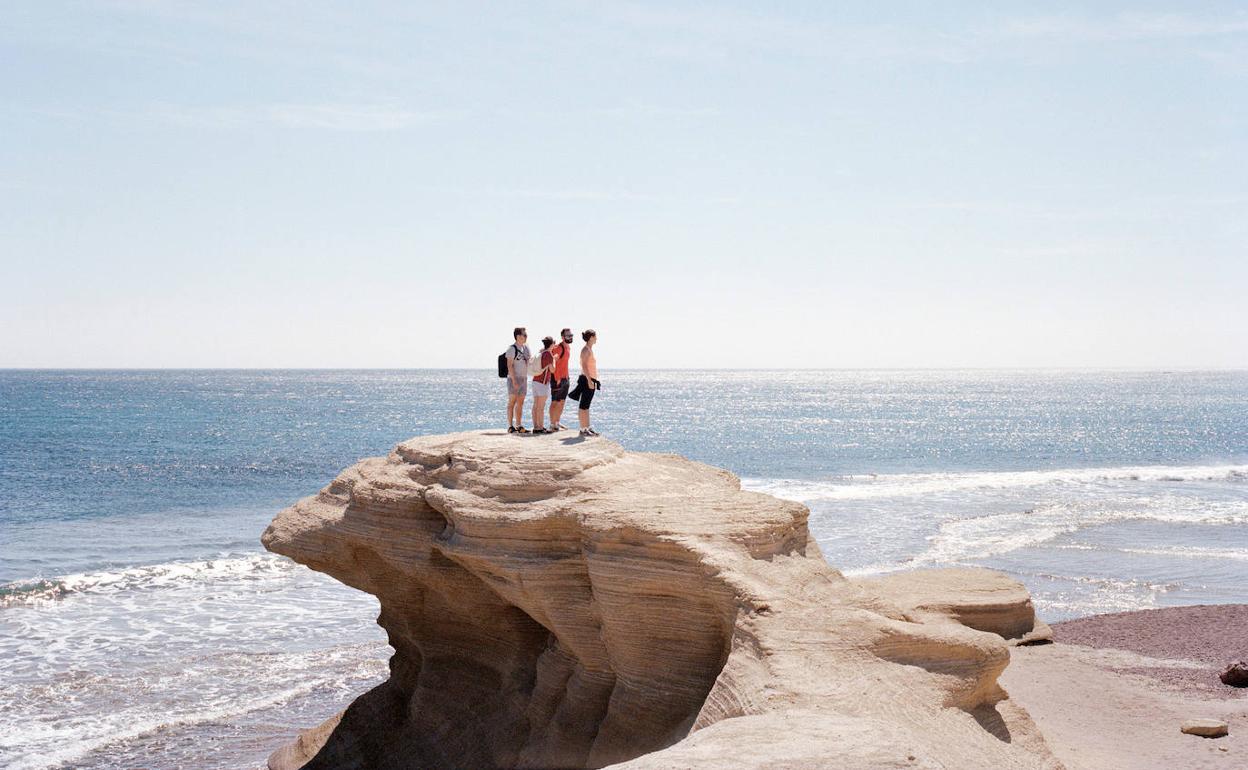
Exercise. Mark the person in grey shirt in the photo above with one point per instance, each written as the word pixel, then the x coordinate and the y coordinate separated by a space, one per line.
pixel 517 380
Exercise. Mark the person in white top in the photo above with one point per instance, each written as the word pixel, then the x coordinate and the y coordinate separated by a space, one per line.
pixel 517 380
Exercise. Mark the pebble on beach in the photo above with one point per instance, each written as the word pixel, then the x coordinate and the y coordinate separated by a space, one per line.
pixel 1206 728
pixel 1235 674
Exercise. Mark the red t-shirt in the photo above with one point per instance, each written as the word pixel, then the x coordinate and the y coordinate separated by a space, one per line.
pixel 561 368
pixel 548 358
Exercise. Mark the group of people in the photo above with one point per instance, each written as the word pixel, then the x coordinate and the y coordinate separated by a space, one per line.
pixel 549 373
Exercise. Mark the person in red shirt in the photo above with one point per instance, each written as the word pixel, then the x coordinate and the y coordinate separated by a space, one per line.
pixel 541 386
pixel 559 381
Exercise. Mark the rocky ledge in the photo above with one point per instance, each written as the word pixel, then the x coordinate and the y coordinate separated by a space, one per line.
pixel 559 603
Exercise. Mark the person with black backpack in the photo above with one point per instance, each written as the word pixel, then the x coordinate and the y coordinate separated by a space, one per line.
pixel 514 365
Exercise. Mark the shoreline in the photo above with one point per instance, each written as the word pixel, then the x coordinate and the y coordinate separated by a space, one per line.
pixel 1112 689
pixel 1210 635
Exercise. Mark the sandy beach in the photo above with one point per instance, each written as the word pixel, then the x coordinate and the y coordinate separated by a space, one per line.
pixel 1112 690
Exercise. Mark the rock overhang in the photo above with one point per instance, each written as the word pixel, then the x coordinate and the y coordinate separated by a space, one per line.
pixel 574 604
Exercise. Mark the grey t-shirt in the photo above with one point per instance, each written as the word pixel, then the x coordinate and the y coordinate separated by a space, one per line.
pixel 519 354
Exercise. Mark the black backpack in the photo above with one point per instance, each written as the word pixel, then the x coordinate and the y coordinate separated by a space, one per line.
pixel 503 371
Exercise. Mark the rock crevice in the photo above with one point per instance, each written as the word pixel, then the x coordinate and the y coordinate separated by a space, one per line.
pixel 564 603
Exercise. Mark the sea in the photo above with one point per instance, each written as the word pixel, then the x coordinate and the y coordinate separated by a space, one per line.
pixel 143 626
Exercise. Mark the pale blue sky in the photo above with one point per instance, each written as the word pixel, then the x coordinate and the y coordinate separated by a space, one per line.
pixel 713 184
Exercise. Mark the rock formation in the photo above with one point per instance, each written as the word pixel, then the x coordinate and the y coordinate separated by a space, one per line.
pixel 562 603
pixel 1235 674
pixel 976 598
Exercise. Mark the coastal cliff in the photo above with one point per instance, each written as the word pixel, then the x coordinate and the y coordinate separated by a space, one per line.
pixel 560 603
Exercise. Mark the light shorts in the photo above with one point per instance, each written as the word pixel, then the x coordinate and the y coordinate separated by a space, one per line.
pixel 515 388
pixel 541 389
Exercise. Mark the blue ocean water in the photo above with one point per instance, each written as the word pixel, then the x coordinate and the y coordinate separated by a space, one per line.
pixel 141 624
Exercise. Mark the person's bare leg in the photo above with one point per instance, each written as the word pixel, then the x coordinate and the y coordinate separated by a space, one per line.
pixel 582 416
pixel 511 409
pixel 539 411
pixel 556 412
pixel 519 411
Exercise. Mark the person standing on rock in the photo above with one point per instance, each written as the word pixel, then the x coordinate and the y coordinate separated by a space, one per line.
pixel 517 380
pixel 541 385
pixel 559 381
pixel 587 383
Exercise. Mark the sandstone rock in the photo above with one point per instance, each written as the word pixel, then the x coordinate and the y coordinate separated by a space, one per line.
pixel 303 748
pixel 1206 728
pixel 558 603
pixel 976 598
pixel 1235 674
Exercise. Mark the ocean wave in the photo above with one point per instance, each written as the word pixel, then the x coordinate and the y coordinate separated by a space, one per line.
pixel 1091 595
pixel 1191 552
pixel 866 487
pixel 986 536
pixel 34 741
pixel 1181 551
pixel 969 540
pixel 255 566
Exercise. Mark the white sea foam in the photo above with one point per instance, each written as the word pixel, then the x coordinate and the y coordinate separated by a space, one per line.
pixel 1096 595
pixel 257 566
pixel 972 539
pixel 985 536
pixel 225 687
pixel 1191 551
pixel 866 487
pixel 110 659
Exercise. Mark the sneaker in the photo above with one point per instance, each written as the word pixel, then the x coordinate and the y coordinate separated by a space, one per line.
pixel 511 429
pixel 592 432
pixel 521 429
pixel 539 431
pixel 584 434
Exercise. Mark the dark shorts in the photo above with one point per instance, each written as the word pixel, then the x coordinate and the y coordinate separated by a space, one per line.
pixel 583 393
pixel 559 390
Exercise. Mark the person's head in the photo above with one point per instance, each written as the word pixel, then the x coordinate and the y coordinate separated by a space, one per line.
pixel 590 336
pixel 547 342
pixel 520 334
pixel 566 335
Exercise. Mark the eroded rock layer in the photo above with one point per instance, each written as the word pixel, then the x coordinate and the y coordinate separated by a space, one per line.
pixel 554 602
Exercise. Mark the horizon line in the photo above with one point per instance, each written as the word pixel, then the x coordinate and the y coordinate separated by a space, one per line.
pixel 1163 369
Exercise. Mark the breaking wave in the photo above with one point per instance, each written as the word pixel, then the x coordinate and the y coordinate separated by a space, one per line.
pixel 985 536
pixel 35 591
pixel 866 487
pixel 226 686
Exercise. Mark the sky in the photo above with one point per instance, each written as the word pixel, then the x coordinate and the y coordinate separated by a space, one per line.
pixel 730 185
